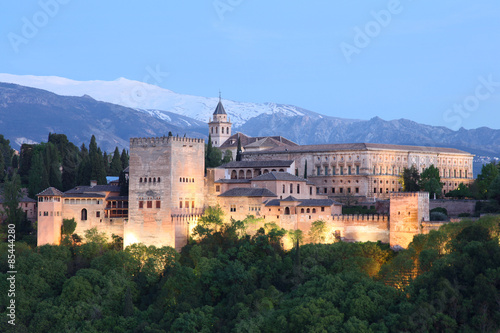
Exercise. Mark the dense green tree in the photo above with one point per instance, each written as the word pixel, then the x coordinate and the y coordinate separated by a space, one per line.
pixel 124 158
pixel 430 181
pixel 116 164
pixel 488 174
pixel 317 233
pixel 13 213
pixel 52 161
pixel 410 179
pixel 38 178
pixel 84 170
pixel 25 157
pixel 6 151
pixel 15 161
pixel 494 189
pixel 68 227
pixel 2 168
pixel 462 191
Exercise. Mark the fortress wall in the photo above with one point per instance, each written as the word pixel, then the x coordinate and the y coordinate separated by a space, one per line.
pixel 454 207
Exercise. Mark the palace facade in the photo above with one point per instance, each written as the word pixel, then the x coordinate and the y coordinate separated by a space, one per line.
pixel 277 181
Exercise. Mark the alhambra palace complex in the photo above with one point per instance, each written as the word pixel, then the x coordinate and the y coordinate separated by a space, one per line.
pixel 169 190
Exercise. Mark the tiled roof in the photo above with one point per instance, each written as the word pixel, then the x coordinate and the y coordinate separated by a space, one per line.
pixel 278 176
pixel 51 191
pixel 258 164
pixel 93 189
pixel 26 199
pixel 356 146
pixel 317 202
pixel 219 109
pixel 248 192
pixel 245 140
pixel 273 202
pixel 83 195
pixel 291 198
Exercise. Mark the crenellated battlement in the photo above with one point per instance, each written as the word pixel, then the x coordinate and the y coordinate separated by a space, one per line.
pixel 361 217
pixel 161 141
pixel 409 194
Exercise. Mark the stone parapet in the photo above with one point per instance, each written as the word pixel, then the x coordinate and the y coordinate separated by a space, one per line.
pixel 161 141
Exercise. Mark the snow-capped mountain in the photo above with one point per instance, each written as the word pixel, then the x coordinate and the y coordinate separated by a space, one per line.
pixel 151 98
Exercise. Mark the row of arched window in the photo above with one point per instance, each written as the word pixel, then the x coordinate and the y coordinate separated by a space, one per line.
pixel 221 130
pixel 186 180
pixel 302 211
pixel 149 180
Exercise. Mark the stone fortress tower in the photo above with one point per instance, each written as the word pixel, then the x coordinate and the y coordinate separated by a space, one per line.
pixel 220 126
pixel 166 189
pixel 407 212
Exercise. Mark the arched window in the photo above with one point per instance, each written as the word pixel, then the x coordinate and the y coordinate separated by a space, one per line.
pixel 159 179
pixel 291 188
pixel 283 188
pixel 308 210
pixel 227 130
pixel 216 130
pixel 150 179
pixel 314 210
pixel 140 180
pixel 180 180
pixel 287 211
pixel 212 130
pixel 249 174
pixel 84 215
pixel 298 188
pixel 222 130
pixel 266 171
pixel 302 210
pixel 241 174
pixel 154 179
pixel 234 175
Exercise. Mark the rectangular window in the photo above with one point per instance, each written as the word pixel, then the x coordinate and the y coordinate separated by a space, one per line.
pixel 232 208
pixel 325 190
pixel 342 171
pixel 217 188
pixel 186 204
pixel 357 169
pixel 333 189
pixel 150 204
pixel 348 190
pixel 348 170
pixel 357 189
pixel 180 204
pixel 341 190
pixel 158 204
pixel 326 171
pixel 97 214
pixel 192 204
pixel 298 188
pixel 310 190
pixel 374 190
pixel 291 188
pixel 334 171
pixel 45 213
pixel 322 209
pixel 318 171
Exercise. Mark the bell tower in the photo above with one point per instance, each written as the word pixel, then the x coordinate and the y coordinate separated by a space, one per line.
pixel 219 127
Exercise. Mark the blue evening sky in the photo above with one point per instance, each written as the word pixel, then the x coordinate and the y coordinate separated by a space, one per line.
pixel 434 62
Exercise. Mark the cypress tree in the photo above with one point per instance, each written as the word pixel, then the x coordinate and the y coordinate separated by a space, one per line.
pixel 25 157
pixel 124 158
pixel 38 178
pixel 116 164
pixel 238 151
pixel 2 168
